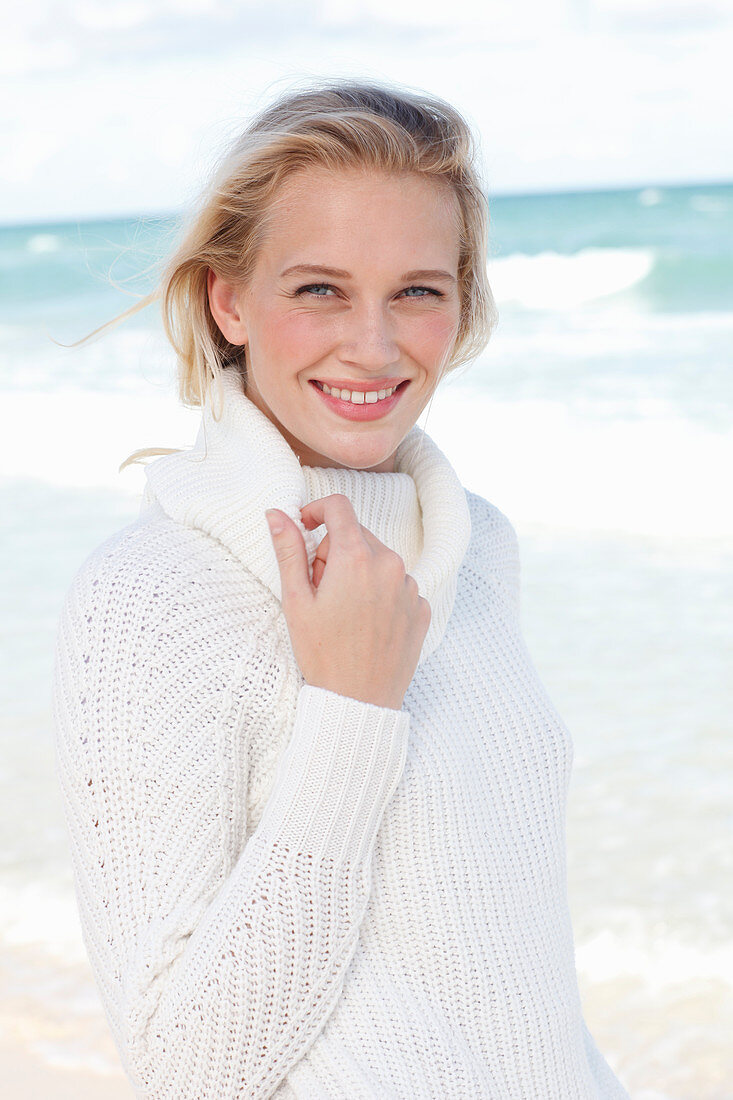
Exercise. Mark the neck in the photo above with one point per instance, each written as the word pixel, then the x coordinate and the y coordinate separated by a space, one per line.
pixel 385 467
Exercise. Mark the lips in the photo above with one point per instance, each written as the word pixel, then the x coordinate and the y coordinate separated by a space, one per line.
pixel 355 394
pixel 369 405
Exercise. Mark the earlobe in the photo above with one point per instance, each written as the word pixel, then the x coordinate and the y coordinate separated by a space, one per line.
pixel 224 306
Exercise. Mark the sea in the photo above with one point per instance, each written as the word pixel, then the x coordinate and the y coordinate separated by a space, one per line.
pixel 599 420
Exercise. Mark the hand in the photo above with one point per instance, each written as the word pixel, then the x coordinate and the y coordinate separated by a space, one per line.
pixel 358 626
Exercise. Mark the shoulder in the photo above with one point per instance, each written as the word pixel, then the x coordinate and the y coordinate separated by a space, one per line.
pixel 493 537
pixel 158 563
pixel 164 640
pixel 493 550
pixel 156 589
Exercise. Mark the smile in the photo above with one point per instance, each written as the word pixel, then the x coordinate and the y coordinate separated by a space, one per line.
pixel 360 404
pixel 357 397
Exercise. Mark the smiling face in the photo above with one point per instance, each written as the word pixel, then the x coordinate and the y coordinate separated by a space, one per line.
pixel 355 290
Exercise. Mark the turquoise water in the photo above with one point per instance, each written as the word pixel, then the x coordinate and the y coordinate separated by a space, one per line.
pixel 599 420
pixel 641 270
pixel 689 230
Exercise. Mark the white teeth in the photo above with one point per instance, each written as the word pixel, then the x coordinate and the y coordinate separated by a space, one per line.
pixel 358 397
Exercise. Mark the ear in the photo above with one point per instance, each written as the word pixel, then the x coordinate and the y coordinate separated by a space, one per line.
pixel 224 302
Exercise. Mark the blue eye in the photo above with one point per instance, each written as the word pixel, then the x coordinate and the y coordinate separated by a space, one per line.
pixel 428 290
pixel 313 289
pixel 322 290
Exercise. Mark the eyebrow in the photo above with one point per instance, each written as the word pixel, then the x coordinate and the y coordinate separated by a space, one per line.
pixel 338 273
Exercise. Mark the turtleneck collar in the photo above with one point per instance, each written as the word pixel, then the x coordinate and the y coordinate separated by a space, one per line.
pixel 386 504
pixel 241 465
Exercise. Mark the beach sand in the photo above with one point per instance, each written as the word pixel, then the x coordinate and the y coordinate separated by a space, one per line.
pixel 664 1048
pixel 26 1077
pixel 54 1039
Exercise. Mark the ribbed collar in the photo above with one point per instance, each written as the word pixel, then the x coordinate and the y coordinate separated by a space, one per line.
pixel 386 504
pixel 241 465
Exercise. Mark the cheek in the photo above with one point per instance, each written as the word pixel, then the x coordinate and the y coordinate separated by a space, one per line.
pixel 301 335
pixel 431 336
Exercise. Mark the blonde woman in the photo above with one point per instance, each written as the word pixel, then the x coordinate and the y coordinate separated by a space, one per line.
pixel 314 787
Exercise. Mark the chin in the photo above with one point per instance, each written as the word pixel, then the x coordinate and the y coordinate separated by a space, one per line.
pixel 363 458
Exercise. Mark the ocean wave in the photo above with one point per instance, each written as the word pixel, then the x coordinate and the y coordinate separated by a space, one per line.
pixel 41 913
pixel 133 354
pixel 43 242
pixel 545 462
pixel 550 280
pixel 77 439
pixel 710 204
pixel 656 958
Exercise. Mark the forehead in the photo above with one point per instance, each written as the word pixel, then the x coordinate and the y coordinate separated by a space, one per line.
pixel 363 213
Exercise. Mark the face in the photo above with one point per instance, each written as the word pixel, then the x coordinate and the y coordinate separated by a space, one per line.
pixel 355 291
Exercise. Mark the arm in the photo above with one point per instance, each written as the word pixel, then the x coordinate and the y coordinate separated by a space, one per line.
pixel 216 979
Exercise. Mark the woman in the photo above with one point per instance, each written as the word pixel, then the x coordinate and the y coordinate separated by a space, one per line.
pixel 314 787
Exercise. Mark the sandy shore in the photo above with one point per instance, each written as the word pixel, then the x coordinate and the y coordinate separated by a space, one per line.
pixel 26 1077
pixel 670 1043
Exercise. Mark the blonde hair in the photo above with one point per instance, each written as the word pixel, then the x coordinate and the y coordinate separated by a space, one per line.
pixel 337 125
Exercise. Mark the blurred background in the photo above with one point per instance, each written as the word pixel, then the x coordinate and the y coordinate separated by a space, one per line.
pixel 598 420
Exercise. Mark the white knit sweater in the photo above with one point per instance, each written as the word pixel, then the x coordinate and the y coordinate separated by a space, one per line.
pixel 287 892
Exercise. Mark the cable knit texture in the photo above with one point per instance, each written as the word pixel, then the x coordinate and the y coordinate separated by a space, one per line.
pixel 285 891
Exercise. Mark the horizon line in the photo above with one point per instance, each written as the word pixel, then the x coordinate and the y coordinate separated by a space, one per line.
pixel 172 213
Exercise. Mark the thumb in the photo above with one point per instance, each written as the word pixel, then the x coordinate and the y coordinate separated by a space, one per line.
pixel 291 555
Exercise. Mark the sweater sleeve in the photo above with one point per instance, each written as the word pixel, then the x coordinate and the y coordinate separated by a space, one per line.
pixel 215 979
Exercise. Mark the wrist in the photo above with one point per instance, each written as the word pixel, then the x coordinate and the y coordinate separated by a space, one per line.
pixel 376 696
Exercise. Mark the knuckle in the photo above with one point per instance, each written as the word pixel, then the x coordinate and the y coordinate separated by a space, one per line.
pixel 340 500
pixel 411 585
pixel 393 563
pixel 359 553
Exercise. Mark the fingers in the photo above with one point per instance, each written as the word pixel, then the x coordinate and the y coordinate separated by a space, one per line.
pixel 358 626
pixel 341 519
pixel 292 558
pixel 337 512
pixel 344 533
pixel 319 561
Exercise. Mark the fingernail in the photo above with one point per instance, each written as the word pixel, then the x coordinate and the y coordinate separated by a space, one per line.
pixel 274 521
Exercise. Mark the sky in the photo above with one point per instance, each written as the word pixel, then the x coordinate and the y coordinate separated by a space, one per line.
pixel 116 107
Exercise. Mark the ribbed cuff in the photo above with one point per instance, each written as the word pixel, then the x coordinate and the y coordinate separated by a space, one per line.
pixel 335 777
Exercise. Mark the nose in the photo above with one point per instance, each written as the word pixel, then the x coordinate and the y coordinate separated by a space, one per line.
pixel 368 339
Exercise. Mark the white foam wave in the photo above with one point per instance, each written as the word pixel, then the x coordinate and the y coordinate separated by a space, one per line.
pixel 658 961
pixel 549 280
pixel 649 196
pixel 43 916
pixel 43 242
pixel 604 338
pixel 68 1056
pixel 41 913
pixel 709 204
pixel 545 462
pixel 77 439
